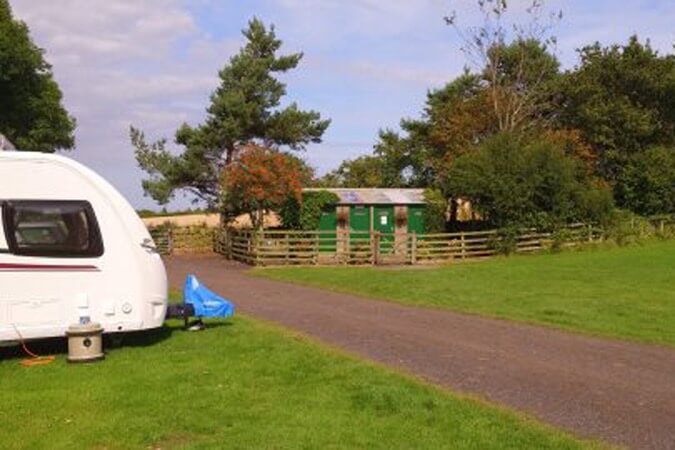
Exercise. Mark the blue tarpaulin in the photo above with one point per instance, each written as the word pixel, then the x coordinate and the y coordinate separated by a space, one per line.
pixel 205 302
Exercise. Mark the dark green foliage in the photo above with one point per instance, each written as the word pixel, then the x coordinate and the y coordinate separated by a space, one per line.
pixel 245 109
pixel 290 214
pixel 313 203
pixel 623 100
pixel 517 79
pixel 32 115
pixel 505 241
pixel 647 184
pixel 307 216
pixel 526 62
pixel 435 211
pixel 362 172
pixel 516 183
pixel 625 227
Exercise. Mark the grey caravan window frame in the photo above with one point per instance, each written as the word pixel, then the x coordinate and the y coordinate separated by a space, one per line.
pixel 94 243
pixel 4 248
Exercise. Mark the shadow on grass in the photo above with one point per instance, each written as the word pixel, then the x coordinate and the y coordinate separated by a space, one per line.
pixel 115 341
pixel 42 347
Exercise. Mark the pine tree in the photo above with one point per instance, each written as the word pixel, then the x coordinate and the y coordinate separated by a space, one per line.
pixel 244 110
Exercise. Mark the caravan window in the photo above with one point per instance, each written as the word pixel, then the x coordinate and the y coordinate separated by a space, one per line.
pixel 51 228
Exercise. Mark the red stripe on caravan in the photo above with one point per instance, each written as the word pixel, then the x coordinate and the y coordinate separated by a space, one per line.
pixel 15 267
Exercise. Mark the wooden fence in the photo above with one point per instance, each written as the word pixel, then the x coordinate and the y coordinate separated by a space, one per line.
pixel 163 240
pixel 274 248
pixel 663 223
pixel 180 240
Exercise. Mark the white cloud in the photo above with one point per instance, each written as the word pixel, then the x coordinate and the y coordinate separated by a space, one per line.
pixel 106 30
pixel 117 63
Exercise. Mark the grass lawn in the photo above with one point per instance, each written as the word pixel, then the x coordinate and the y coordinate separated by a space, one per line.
pixel 244 384
pixel 621 292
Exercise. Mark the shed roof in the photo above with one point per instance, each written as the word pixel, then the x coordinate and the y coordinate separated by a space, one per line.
pixel 376 196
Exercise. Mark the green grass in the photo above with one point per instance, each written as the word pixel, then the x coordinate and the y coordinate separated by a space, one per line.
pixel 244 384
pixel 621 292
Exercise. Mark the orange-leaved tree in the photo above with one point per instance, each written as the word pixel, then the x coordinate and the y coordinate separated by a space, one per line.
pixel 260 180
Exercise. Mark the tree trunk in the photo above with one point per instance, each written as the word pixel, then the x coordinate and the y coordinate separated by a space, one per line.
pixel 453 213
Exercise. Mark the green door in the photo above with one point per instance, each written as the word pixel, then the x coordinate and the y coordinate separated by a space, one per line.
pixel 384 219
pixel 359 226
pixel 359 220
pixel 328 224
pixel 384 223
pixel 416 219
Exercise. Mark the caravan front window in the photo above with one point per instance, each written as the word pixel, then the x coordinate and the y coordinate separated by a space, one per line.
pixel 60 228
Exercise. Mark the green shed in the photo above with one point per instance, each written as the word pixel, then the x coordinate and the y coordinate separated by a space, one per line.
pixel 389 211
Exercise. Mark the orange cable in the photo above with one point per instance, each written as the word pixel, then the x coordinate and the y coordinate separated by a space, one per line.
pixel 36 360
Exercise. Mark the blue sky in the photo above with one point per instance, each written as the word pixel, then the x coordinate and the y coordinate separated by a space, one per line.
pixel 367 64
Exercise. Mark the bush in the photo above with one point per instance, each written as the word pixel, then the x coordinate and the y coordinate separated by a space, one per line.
pixel 505 242
pixel 290 214
pixel 527 184
pixel 306 216
pixel 647 185
pixel 435 211
pixel 625 227
pixel 560 237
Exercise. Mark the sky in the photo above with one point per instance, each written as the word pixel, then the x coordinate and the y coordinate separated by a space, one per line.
pixel 367 63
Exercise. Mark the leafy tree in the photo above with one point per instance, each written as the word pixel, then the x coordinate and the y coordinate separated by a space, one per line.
pixel 510 90
pixel 261 180
pixel 306 214
pixel 622 99
pixel 453 119
pixel 647 184
pixel 368 171
pixel 458 116
pixel 435 211
pixel 32 115
pixel 244 110
pixel 511 182
pixel 514 61
pixel 469 109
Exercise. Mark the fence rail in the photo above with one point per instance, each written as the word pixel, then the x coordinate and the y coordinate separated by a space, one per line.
pixel 275 247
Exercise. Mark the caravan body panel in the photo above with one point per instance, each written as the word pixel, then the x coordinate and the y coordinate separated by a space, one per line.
pixel 71 246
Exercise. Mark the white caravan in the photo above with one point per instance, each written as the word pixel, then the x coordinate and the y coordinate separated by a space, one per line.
pixel 72 247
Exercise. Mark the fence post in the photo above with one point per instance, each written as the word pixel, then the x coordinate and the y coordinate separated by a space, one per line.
pixel 215 242
pixel 462 244
pixel 169 241
pixel 375 246
pixel 348 246
pixel 229 243
pixel 413 248
pixel 288 247
pixel 590 233
pixel 256 246
pixel 662 226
